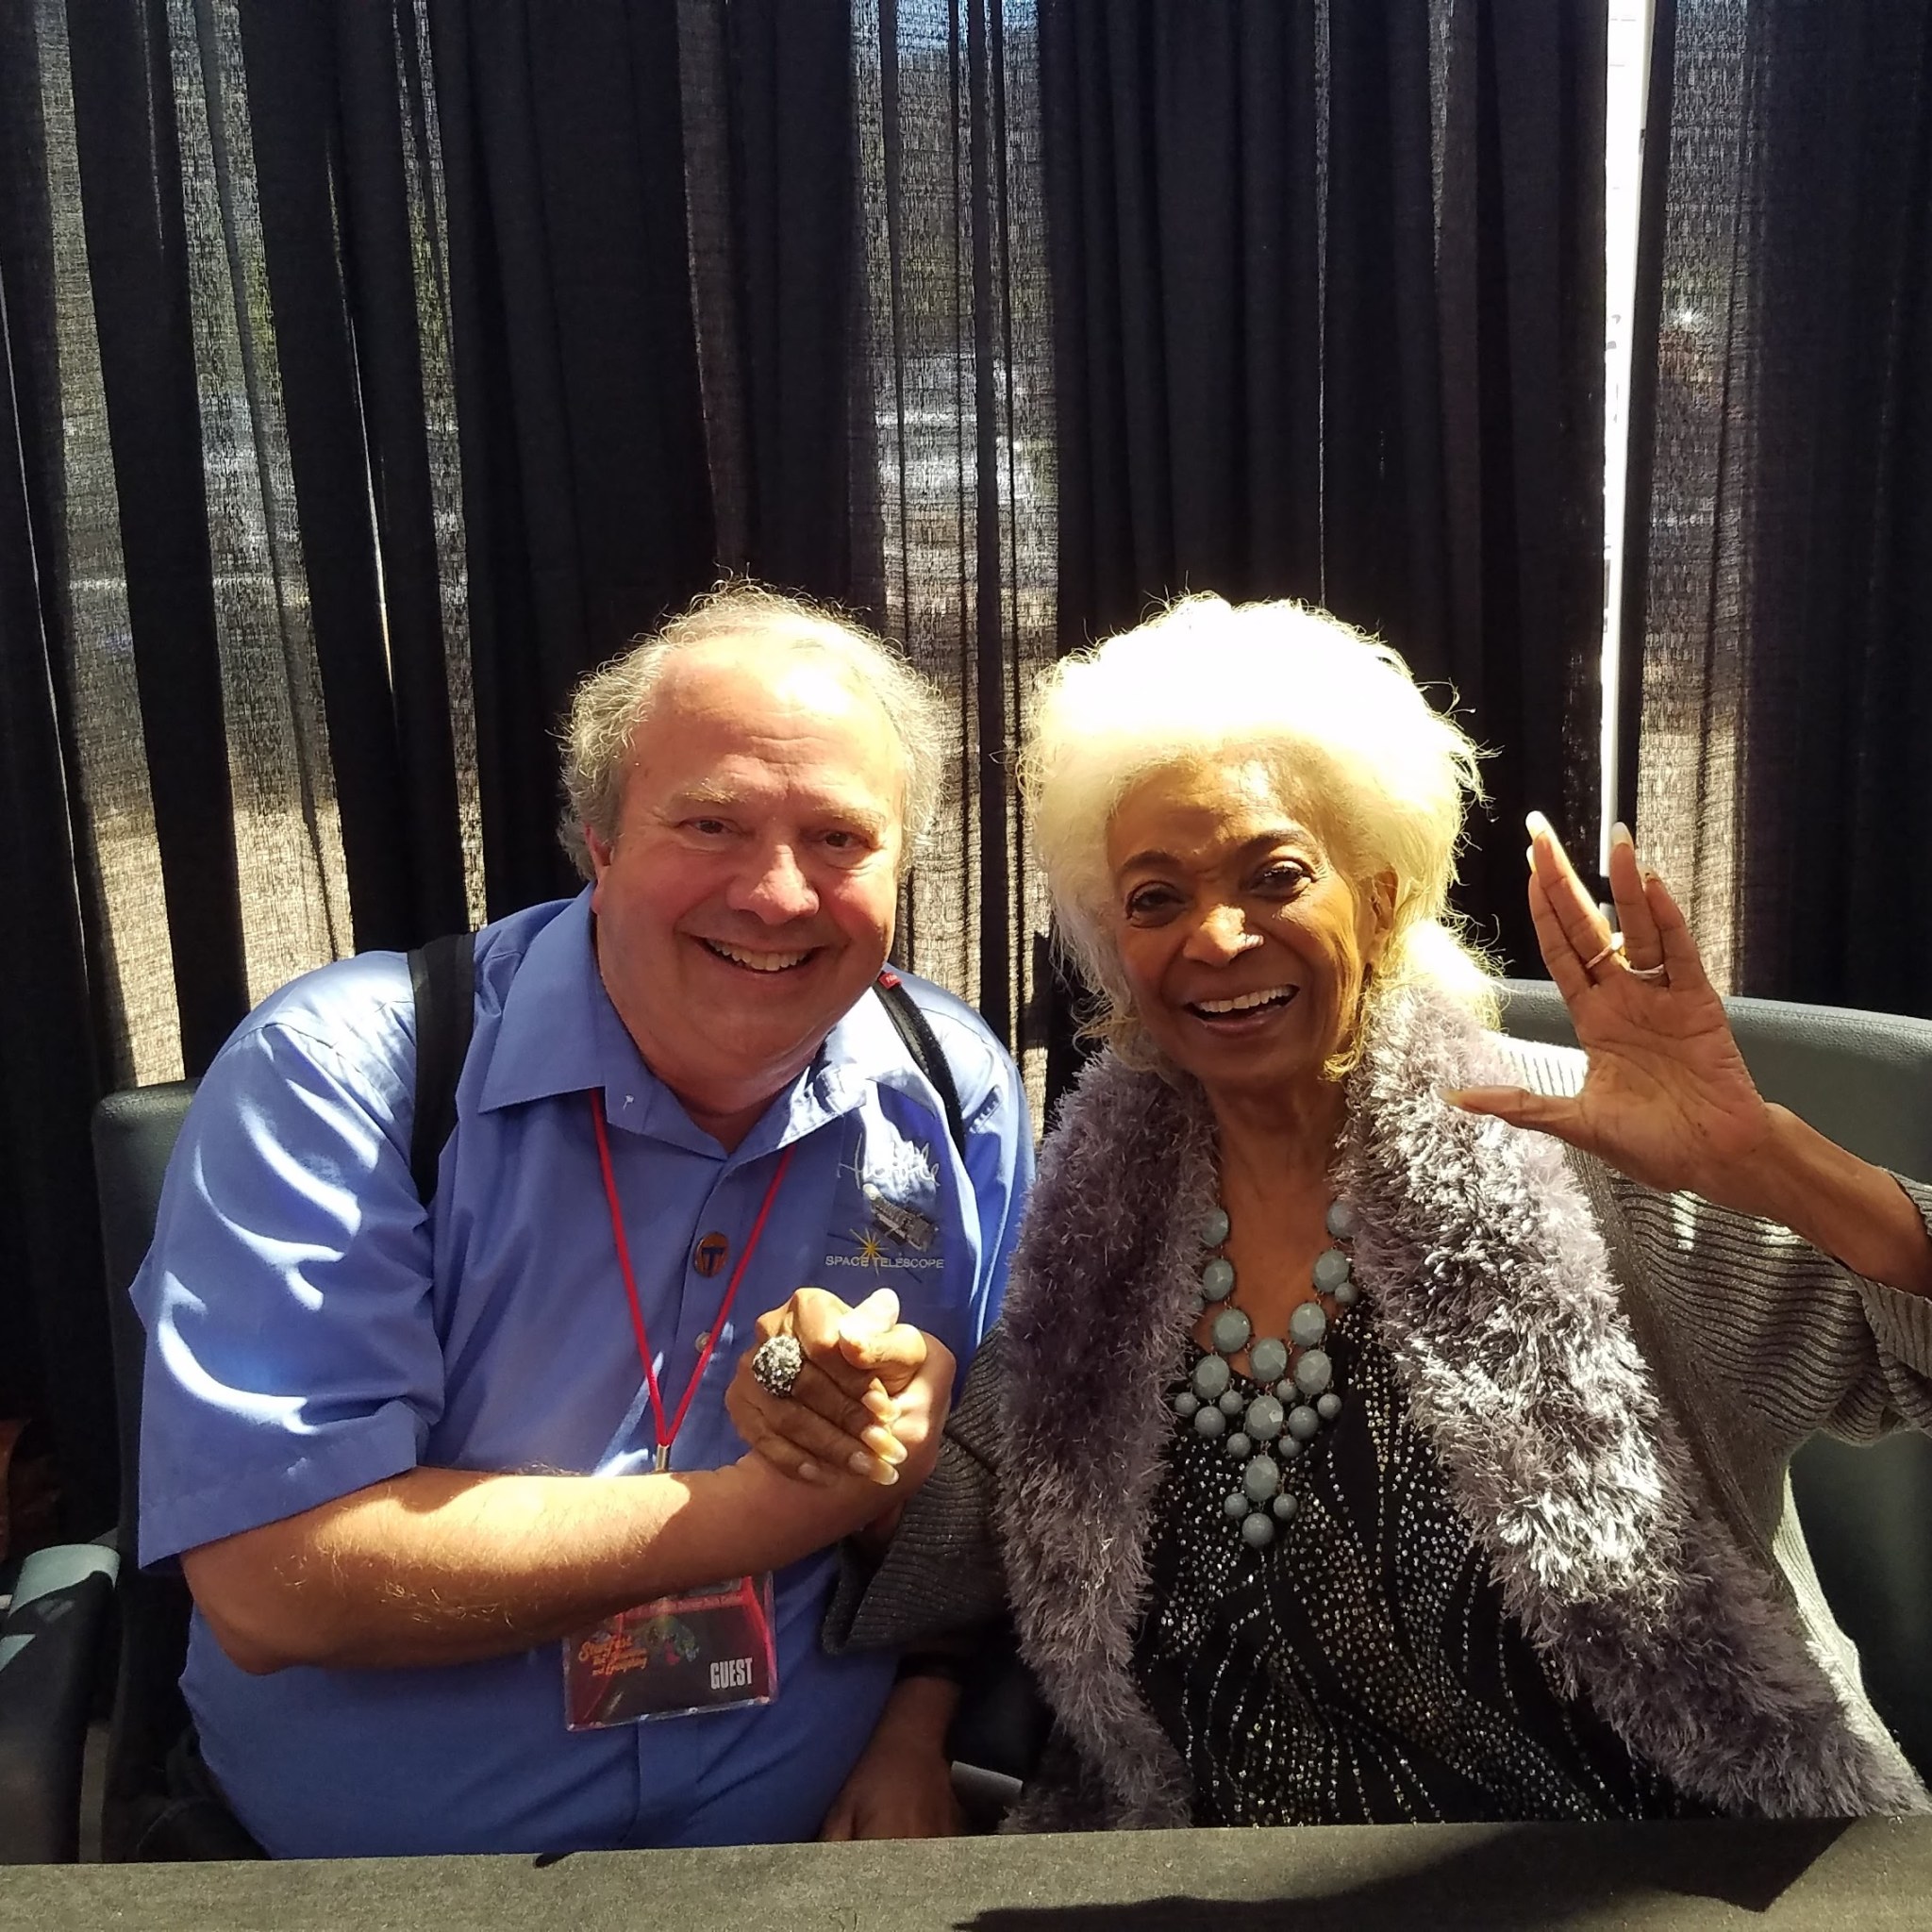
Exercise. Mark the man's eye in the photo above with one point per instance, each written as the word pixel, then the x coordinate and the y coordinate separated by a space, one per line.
pixel 707 828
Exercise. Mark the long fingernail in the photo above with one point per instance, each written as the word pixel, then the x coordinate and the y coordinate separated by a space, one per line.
pixel 811 1472
pixel 881 1404
pixel 871 1469
pixel 884 1444
pixel 1619 834
pixel 1536 824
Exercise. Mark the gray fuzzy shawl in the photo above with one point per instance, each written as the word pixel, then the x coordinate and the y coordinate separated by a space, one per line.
pixel 1484 1274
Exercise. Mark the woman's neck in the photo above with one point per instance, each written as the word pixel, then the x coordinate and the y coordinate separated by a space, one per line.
pixel 1268 1140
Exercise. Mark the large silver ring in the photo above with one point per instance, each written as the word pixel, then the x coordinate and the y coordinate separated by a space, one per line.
pixel 775 1365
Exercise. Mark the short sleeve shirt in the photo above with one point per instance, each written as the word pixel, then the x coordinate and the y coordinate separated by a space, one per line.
pixel 313 1329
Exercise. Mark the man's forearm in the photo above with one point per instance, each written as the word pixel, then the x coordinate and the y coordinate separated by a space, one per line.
pixel 449 1566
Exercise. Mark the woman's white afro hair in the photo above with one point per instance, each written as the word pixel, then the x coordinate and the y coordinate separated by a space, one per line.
pixel 1335 718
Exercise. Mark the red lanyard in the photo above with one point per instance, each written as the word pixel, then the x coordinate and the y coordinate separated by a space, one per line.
pixel 666 1436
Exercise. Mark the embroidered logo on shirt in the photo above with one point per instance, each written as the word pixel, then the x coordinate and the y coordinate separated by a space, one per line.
pixel 903 1225
pixel 896 1183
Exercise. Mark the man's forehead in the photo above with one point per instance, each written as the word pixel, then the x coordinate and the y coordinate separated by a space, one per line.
pixel 723 670
pixel 728 722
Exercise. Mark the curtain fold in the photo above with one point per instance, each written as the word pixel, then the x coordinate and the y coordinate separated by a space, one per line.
pixel 585 498
pixel 53 1341
pixel 1327 287
pixel 122 104
pixel 1783 685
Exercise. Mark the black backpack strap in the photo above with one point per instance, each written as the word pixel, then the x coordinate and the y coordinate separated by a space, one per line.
pixel 915 1030
pixel 443 976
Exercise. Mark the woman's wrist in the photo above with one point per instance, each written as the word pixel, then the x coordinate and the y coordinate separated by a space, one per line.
pixel 919 1713
pixel 1843 1206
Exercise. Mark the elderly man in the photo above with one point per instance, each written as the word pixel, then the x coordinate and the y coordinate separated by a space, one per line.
pixel 478 1560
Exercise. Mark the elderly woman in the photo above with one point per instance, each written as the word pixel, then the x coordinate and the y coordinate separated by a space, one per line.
pixel 1346 1453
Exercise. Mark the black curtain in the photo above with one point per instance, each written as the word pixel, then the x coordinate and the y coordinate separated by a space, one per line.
pixel 1781 636
pixel 1328 300
pixel 585 494
pixel 52 1323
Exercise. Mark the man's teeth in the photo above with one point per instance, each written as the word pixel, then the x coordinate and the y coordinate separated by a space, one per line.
pixel 759 962
pixel 1243 1001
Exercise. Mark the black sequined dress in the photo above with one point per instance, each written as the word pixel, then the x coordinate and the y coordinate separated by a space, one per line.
pixel 1362 1669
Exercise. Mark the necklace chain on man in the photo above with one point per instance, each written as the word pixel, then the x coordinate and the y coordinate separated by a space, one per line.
pixel 1295 1396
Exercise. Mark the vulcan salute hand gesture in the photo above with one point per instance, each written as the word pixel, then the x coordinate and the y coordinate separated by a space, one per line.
pixel 1668 1099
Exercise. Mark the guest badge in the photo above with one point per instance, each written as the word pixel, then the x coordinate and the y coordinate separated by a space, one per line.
pixel 707 1650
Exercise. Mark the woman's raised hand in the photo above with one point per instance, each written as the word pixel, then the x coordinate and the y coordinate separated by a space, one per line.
pixel 1667 1099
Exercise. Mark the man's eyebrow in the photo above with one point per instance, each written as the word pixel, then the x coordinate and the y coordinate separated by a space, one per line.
pixel 701 797
pixel 706 798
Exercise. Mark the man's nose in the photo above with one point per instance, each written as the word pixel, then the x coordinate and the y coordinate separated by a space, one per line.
pixel 1221 933
pixel 775 888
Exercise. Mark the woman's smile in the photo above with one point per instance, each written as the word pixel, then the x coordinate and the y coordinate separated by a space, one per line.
pixel 1245 1011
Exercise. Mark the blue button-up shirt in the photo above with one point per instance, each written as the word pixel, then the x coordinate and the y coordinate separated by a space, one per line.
pixel 312 1331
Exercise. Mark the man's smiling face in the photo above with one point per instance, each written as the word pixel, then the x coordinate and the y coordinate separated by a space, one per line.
pixel 747 900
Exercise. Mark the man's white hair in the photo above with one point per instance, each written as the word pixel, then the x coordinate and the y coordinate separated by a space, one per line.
pixel 613 701
pixel 1335 719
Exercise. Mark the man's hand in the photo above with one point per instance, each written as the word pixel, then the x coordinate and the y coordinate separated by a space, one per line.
pixel 873 1392
pixel 902 1786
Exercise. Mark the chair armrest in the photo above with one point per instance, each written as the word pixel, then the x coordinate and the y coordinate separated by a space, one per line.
pixel 1000 1729
pixel 50 1649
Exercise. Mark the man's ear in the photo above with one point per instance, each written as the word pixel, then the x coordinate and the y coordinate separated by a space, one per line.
pixel 600 855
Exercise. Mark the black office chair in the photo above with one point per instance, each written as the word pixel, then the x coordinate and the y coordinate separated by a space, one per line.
pixel 59 1603
pixel 64 1594
pixel 144 1814
pixel 1866 1080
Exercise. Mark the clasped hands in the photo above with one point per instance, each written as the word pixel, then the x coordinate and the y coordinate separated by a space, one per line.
pixel 869 1401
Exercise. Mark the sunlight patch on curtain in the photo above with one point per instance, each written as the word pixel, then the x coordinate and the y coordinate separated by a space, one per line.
pixel 295 889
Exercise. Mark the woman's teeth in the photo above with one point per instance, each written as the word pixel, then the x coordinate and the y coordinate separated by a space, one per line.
pixel 1245 1002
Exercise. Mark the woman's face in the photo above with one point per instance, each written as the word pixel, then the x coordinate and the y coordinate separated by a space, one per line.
pixel 1244 945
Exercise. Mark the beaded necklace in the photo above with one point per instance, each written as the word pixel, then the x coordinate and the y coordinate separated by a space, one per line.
pixel 1278 1422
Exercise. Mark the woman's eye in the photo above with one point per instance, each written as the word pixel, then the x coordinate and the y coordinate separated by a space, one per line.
pixel 1149 902
pixel 1285 876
